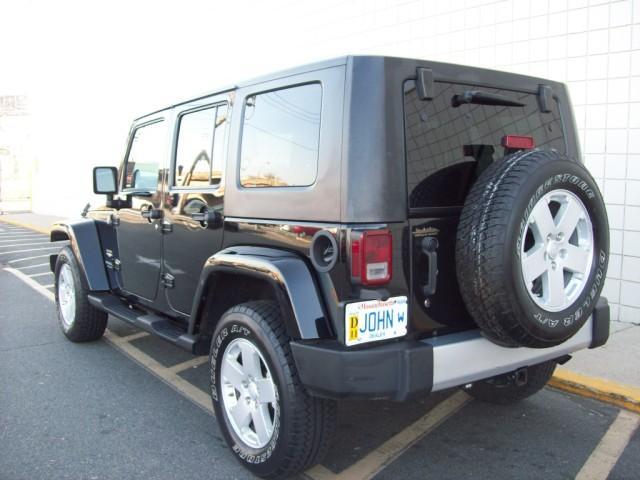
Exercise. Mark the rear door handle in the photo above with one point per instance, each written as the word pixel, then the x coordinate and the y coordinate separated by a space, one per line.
pixel 429 247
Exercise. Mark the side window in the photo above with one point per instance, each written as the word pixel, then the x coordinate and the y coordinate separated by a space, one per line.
pixel 280 137
pixel 201 147
pixel 146 154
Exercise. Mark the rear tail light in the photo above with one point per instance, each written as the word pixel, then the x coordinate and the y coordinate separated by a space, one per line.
pixel 518 142
pixel 371 257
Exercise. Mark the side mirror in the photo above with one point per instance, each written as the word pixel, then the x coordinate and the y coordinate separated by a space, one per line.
pixel 104 180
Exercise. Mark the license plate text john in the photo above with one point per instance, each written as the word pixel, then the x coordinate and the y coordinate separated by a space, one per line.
pixel 375 320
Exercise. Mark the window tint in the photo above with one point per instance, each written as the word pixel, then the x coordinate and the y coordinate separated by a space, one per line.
pixel 146 154
pixel 448 147
pixel 201 147
pixel 280 137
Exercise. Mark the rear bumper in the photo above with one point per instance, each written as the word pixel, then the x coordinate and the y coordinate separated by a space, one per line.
pixel 403 370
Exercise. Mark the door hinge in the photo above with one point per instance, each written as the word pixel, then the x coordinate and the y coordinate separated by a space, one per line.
pixel 424 83
pixel 114 220
pixel 168 280
pixel 116 264
pixel 167 227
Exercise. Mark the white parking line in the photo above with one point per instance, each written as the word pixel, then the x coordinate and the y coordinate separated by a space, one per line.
pixel 31 282
pixel 11 236
pixel 16 260
pixel 33 266
pixel 24 244
pixel 17 230
pixel 31 250
pixel 610 448
pixel 41 274
pixel 191 392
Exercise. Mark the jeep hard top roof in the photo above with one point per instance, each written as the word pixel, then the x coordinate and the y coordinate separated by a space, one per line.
pixel 368 149
pixel 462 73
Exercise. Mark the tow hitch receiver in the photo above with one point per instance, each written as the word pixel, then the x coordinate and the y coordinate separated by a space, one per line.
pixel 520 376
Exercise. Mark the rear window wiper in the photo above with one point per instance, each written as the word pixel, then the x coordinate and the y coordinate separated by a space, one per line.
pixel 484 98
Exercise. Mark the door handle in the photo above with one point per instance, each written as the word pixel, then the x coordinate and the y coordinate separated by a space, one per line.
pixel 151 213
pixel 208 218
pixel 429 247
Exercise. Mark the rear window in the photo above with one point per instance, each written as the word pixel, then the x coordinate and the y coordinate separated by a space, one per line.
pixel 447 146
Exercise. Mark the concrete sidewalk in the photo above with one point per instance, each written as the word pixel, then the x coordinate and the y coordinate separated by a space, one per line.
pixel 610 373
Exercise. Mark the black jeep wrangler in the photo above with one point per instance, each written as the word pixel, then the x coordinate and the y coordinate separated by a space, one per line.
pixel 365 227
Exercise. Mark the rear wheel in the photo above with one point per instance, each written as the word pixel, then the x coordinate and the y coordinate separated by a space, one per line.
pixel 80 321
pixel 272 425
pixel 512 387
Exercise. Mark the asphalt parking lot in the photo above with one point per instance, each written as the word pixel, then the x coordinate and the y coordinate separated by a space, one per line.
pixel 131 406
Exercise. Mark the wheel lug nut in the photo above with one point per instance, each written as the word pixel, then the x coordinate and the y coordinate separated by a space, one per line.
pixel 560 236
pixel 553 265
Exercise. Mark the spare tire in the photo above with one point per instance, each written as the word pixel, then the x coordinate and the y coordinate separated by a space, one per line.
pixel 532 249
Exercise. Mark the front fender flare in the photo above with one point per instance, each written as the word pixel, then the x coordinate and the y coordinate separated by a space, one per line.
pixel 85 243
pixel 295 288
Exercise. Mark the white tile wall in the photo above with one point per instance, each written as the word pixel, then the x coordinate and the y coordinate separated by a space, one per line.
pixel 592 45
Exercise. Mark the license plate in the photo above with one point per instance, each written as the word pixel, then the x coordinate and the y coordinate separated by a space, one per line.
pixel 375 320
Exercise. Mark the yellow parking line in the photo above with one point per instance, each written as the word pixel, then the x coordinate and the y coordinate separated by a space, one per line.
pixel 194 362
pixel 193 393
pixel 365 468
pixel 133 336
pixel 386 453
pixel 608 391
pixel 320 472
pixel 606 454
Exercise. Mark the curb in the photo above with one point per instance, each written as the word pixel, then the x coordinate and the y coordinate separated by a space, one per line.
pixel 607 391
pixel 8 221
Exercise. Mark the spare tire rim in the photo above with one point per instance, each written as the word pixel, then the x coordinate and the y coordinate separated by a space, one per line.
pixel 66 295
pixel 248 393
pixel 557 250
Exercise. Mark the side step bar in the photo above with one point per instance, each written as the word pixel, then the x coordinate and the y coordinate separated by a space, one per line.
pixel 152 323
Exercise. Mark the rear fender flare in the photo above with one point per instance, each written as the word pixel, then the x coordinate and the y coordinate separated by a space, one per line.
pixel 85 243
pixel 291 279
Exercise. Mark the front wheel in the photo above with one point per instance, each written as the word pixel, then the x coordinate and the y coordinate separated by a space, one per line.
pixel 80 321
pixel 273 426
